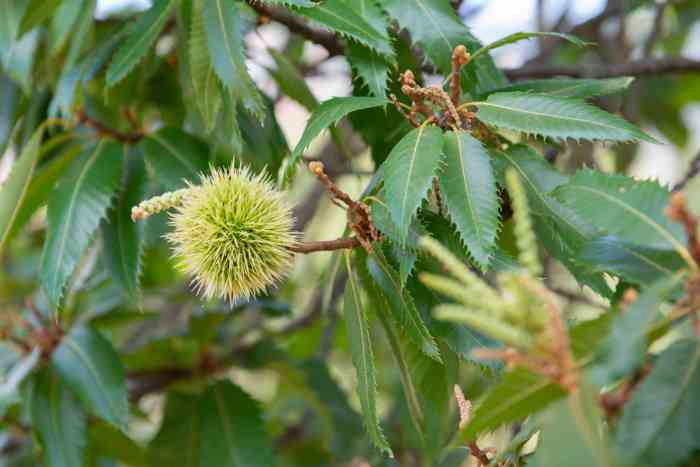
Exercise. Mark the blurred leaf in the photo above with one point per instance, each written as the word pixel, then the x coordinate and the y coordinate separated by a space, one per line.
pixel 70 71
pixel 264 144
pixel 14 190
pixel 574 88
pixel 399 302
pixel 409 172
pixel 660 425
pixel 635 263
pixel 36 12
pixel 226 50
pixel 362 358
pixel 62 24
pixel 232 430
pixel 469 188
pixel 75 209
pixel 519 36
pixel 107 442
pixel 347 423
pixel 181 427
pixel 624 348
pixel 122 237
pixel 11 381
pixel 325 115
pixel 17 51
pixel 519 394
pixel 59 421
pixel 571 434
pixel 337 16
pixel 556 117
pixel 9 98
pixel 175 157
pixel 142 35
pixel 291 81
pixel 91 367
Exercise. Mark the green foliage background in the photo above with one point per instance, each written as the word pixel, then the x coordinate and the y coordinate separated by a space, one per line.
pixel 107 357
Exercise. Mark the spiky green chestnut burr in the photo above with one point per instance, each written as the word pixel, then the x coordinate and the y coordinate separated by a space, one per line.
pixel 232 233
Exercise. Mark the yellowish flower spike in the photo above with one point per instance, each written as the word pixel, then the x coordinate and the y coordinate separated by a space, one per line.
pixel 232 234
pixel 524 234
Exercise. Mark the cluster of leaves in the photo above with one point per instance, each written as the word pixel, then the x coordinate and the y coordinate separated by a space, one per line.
pixel 104 114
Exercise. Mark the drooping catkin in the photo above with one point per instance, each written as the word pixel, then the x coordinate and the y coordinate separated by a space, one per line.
pixel 524 233
pixel 159 204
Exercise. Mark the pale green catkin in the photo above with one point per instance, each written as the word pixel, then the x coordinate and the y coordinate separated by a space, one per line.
pixel 158 204
pixel 460 271
pixel 524 233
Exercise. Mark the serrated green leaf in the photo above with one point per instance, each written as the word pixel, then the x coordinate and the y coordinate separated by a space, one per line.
pixel 625 346
pixel 401 305
pixel 36 12
pixel 380 305
pixel 632 210
pixel 572 433
pixel 142 35
pixel 44 180
pixel 14 190
pixel 325 115
pixel 122 237
pixel 408 174
pixel 519 36
pixel 92 369
pixel 232 429
pixel 638 264
pixel 660 424
pixel 362 357
pixel 75 209
pixel 337 16
pixel 519 394
pixel 175 157
pixel 181 426
pixel 557 226
pixel 204 81
pixel 469 189
pixel 226 51
pixel 59 421
pixel 574 88
pixel 371 67
pixel 556 117
pixel 434 25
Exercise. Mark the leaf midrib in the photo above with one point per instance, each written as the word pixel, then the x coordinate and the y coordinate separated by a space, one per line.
pixel 635 212
pixel 550 116
pixel 67 220
pixel 68 340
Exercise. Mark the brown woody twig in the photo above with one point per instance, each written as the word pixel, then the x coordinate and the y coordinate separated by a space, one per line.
pixel 104 130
